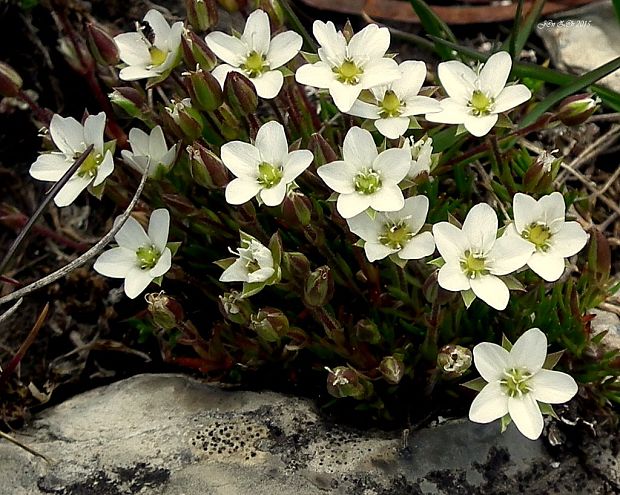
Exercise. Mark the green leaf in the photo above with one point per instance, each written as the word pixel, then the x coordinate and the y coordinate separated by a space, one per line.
pixel 225 263
pixel 434 26
pixel 311 58
pixel 506 344
pixel 286 72
pixel 251 288
pixel 398 261
pixel 506 420
pixel 438 262
pixel 552 359
pixel 512 283
pixel 468 297
pixel 476 384
pixel 174 247
pixel 548 410
pixel 523 30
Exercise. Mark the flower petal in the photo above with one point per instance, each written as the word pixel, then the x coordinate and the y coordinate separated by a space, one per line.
pixel 268 84
pixel 242 159
pixel 359 148
pixel 392 127
pixel 105 169
pixel 370 43
pixel 139 141
pixel 257 33
pixel 526 415
pixel 480 227
pixel 344 95
pixel 452 278
pixel 132 49
pixel 228 48
pixel 418 247
pixel 349 205
pixel 237 272
pixel 490 404
pixel 271 142
pixel 418 105
pixel 547 266
pixel 136 282
pixel 379 71
pixel 159 225
pixel 530 350
pixel 241 190
pixel 50 167
pixel 296 162
pixel 568 240
pixel 452 112
pixel 157 145
pixel 414 212
pixel 509 253
pixel 393 164
pixel 273 196
pixel 339 176
pixel 135 72
pixel 376 251
pixel 131 235
pixel 480 126
pixel 116 262
pixel 388 198
pixel 221 71
pixel 457 79
pixel 333 44
pixel 71 190
pixel 159 25
pixel 283 47
pixel 413 75
pixel 67 134
pixel 494 73
pixel 319 75
pixel 451 242
pixel 491 290
pixel 365 227
pixel 163 264
pixel 526 211
pixel 553 387
pixel 511 97
pixel 364 110
pixel 553 207
pixel 491 360
pixel 94 126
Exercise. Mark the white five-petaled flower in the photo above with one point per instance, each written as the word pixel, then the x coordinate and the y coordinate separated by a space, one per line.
pixel 542 223
pixel 364 178
pixel 396 102
pixel 517 382
pixel 475 259
pixel 346 68
pixel 395 232
pixel 149 149
pixel 255 55
pixel 264 169
pixel 72 139
pixel 255 263
pixel 421 155
pixel 475 98
pixel 151 51
pixel 140 257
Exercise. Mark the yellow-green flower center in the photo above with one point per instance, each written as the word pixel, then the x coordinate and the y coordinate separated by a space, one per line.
pixel 348 72
pixel 539 235
pixel 396 235
pixel 255 64
pixel 480 103
pixel 473 265
pixel 90 166
pixel 148 256
pixel 515 383
pixel 391 106
pixel 367 181
pixel 158 56
pixel 268 175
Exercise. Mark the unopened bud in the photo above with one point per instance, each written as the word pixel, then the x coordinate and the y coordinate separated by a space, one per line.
pixel 235 308
pixel 204 90
pixel 296 266
pixel 76 55
pixel 599 255
pixel 454 360
pixel 201 14
pixel 233 5
pixel 274 11
pixel 130 100
pixel 347 31
pixel 297 208
pixel 196 52
pixel 367 331
pixel 189 120
pixel 392 369
pixel 576 109
pixel 539 176
pixel 319 287
pixel 102 45
pixel 10 81
pixel 322 150
pixel 206 168
pixel 165 311
pixel 343 381
pixel 240 93
pixel 270 324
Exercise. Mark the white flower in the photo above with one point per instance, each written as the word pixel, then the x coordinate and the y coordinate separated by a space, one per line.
pixel 72 139
pixel 542 223
pixel 140 257
pixel 395 232
pixel 346 68
pixel 547 160
pixel 149 149
pixel 517 382
pixel 395 102
pixel 476 98
pixel 152 51
pixel 255 54
pixel 264 169
pixel 475 258
pixel 366 179
pixel 421 155
pixel 255 263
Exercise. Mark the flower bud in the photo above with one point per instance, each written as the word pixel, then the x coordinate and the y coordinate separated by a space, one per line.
pixel 189 120
pixel 392 369
pixel 321 149
pixel 206 168
pixel 76 55
pixel 297 208
pixel 166 312
pixel 454 360
pixel 599 255
pixel 319 287
pixel 201 14
pixel 130 100
pixel 367 331
pixel 347 31
pixel 274 11
pixel 296 266
pixel 196 52
pixel 433 292
pixel 10 81
pixel 576 109
pixel 233 5
pixel 240 93
pixel 204 90
pixel 102 45
pixel 343 381
pixel 234 308
pixel 270 324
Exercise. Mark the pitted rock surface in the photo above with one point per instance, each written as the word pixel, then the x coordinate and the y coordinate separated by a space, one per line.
pixel 173 435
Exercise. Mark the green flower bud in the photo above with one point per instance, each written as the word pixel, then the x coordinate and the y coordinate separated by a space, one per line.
pixel 343 381
pixel 10 81
pixel 187 118
pixel 76 55
pixel 576 109
pixel 270 324
pixel 129 100
pixel 319 287
pixel 235 308
pixel 201 14
pixel 297 208
pixel 240 93
pixel 166 312
pixel 321 149
pixel 274 11
pixel 233 5
pixel 102 45
pixel 392 369
pixel 454 360
pixel 204 90
pixel 367 331
pixel 196 53
pixel 206 168
pixel 296 267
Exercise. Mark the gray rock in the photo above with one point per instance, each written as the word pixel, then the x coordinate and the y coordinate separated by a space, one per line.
pixel 606 321
pixel 173 435
pixel 583 39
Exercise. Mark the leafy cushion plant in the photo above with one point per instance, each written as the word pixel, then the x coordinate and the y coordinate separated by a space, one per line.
pixel 324 217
